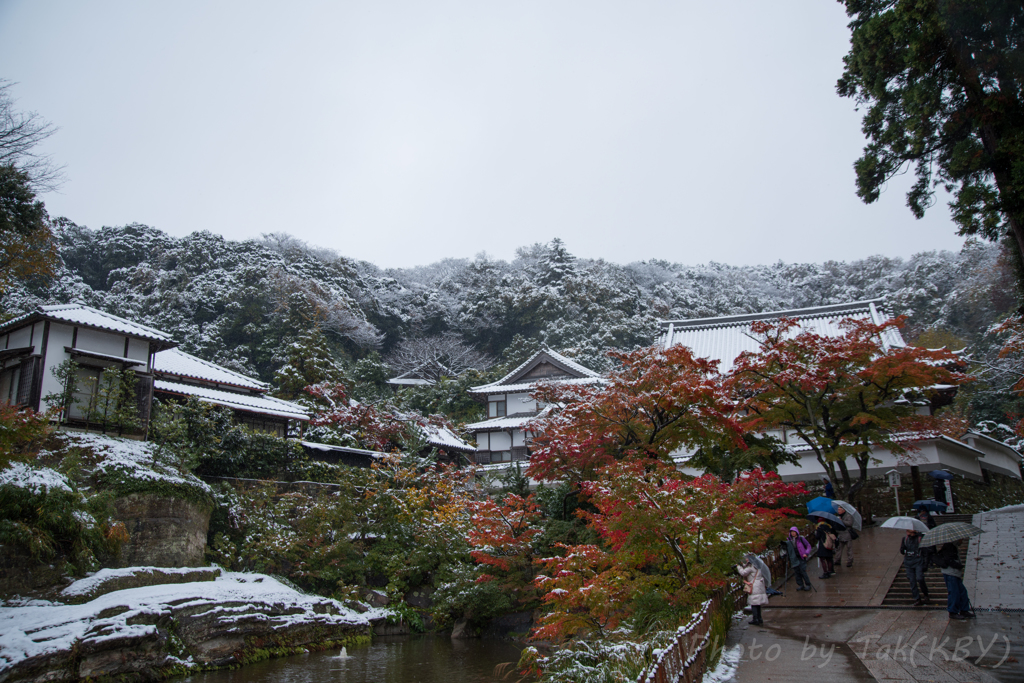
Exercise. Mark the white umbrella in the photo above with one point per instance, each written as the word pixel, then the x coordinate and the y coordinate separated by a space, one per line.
pixel 857 521
pixel 905 523
pixel 759 564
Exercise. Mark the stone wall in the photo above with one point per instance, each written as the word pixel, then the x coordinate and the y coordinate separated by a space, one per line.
pixel 164 531
pixel 22 574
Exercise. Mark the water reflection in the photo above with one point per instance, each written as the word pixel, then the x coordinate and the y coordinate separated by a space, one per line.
pixel 425 659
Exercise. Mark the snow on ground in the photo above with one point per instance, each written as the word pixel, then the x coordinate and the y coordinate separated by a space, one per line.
pixel 34 478
pixel 727 665
pixel 28 629
pixel 95 580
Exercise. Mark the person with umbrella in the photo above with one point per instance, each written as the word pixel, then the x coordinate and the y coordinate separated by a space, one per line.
pixel 845 537
pixel 754 585
pixel 798 549
pixel 958 604
pixel 915 562
pixel 826 543
pixel 926 517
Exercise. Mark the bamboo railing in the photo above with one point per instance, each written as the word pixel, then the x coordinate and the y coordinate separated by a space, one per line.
pixel 685 658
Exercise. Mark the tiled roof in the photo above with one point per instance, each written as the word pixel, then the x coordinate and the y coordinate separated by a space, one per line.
pixel 80 314
pixel 503 385
pixel 531 385
pixel 723 339
pixel 343 449
pixel 442 437
pixel 176 362
pixel 256 404
pixel 501 423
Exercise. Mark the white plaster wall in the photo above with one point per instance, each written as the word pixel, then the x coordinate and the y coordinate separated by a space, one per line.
pixel 520 403
pixel 60 336
pixel 518 437
pixel 22 338
pixel 959 461
pixel 929 456
pixel 481 441
pixel 100 342
pixel 138 349
pixel 1003 463
pixel 1002 459
pixel 501 441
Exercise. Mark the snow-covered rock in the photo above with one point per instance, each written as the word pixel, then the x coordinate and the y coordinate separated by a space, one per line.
pixel 153 630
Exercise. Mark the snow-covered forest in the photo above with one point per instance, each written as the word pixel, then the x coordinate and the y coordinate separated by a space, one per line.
pixel 242 304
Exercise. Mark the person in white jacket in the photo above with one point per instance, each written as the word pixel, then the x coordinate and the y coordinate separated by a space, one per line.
pixel 757 594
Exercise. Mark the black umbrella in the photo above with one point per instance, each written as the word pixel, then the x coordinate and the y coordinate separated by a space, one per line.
pixel 828 517
pixel 940 474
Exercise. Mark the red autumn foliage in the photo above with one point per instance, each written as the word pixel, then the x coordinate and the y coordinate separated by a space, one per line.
pixel 656 402
pixel 841 396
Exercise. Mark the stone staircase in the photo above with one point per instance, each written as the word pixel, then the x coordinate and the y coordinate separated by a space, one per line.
pixel 899 594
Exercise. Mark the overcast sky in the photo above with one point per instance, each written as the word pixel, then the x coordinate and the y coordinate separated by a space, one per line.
pixel 405 132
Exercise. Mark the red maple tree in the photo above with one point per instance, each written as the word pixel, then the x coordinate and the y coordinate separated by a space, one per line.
pixel 656 402
pixel 841 396
pixel 662 533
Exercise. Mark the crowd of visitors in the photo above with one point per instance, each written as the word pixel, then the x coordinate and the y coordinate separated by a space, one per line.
pixel 832 539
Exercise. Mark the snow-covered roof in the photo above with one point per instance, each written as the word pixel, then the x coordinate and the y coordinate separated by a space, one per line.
pixel 419 376
pixel 343 449
pixel 252 403
pixel 577 373
pixel 80 314
pixel 970 433
pixel 530 386
pixel 510 422
pixel 725 338
pixel 442 437
pixel 181 364
pixel 403 381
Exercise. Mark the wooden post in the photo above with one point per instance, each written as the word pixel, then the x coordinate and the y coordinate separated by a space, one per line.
pixel 915 477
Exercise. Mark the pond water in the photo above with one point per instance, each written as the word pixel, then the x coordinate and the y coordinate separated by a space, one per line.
pixel 412 659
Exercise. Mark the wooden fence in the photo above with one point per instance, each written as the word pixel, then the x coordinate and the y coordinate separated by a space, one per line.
pixel 685 658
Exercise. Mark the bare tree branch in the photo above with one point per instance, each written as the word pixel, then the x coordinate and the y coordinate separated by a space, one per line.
pixel 445 355
pixel 20 132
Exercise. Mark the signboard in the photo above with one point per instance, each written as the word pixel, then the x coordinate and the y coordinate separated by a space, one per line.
pixel 894 478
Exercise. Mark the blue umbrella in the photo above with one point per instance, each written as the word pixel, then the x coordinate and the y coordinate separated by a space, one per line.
pixel 930 505
pixel 820 504
pixel 940 474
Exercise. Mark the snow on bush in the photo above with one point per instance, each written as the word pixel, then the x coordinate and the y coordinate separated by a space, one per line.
pixel 35 479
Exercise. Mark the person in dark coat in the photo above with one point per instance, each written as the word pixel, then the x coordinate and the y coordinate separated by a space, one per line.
pixel 829 491
pixel 957 603
pixel 926 517
pixel 845 538
pixel 799 549
pixel 915 562
pixel 939 490
pixel 821 534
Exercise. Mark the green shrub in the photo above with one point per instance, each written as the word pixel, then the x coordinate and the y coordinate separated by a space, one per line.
pixel 42 513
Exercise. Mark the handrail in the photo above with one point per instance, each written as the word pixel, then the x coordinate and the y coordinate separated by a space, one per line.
pixel 685 658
